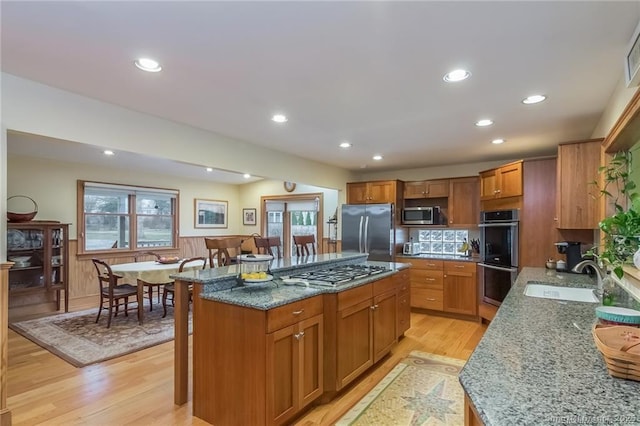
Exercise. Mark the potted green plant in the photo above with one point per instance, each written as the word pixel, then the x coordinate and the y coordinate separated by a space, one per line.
pixel 621 230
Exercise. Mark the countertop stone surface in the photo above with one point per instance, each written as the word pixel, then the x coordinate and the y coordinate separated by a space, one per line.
pixel 455 257
pixel 537 363
pixel 220 283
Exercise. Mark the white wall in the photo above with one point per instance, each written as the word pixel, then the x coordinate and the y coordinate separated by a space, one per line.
pixel 53 185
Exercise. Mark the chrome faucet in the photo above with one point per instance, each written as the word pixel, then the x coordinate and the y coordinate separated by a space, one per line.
pixel 601 272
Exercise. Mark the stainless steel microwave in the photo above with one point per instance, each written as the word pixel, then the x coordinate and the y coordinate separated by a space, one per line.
pixel 421 215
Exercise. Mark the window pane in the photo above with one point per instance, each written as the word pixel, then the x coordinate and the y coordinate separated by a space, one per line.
pixel 303 223
pixel 106 231
pixel 153 204
pixel 155 231
pixel 101 201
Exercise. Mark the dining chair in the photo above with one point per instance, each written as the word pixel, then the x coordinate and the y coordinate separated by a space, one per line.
pixel 219 247
pixel 267 245
pixel 303 242
pixel 171 288
pixel 144 256
pixel 112 292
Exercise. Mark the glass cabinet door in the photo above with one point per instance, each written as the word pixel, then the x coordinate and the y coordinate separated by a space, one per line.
pixel 26 248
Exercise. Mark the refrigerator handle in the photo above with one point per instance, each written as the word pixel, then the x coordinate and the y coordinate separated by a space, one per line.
pixel 366 235
pixel 360 235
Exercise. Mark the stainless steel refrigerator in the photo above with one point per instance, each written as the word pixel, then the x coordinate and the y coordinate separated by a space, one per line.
pixel 369 228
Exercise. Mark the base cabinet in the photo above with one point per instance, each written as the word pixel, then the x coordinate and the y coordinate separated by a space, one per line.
pixel 403 285
pixel 294 368
pixel 447 286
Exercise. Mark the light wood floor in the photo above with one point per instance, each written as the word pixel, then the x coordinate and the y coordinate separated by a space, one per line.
pixel 137 389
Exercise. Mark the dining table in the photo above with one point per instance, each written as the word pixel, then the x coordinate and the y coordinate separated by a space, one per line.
pixel 149 272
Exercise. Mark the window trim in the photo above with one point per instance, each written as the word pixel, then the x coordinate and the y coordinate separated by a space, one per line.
pixel 132 214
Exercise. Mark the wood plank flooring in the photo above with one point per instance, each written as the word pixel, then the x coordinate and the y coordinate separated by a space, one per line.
pixel 137 389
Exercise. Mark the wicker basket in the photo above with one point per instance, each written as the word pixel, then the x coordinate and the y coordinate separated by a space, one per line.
pixel 620 346
pixel 22 217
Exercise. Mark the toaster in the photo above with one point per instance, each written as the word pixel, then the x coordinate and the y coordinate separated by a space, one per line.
pixel 411 248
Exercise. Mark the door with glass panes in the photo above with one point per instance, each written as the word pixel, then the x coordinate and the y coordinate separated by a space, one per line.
pixel 288 217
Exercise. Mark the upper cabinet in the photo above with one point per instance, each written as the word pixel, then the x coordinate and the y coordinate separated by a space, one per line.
pixel 578 164
pixel 426 189
pixel 502 182
pixel 375 192
pixel 464 201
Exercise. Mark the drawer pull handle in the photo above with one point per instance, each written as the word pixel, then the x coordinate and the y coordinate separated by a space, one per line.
pixel 458 266
pixel 430 279
pixel 374 307
pixel 298 312
pixel 299 336
pixel 431 300
pixel 431 264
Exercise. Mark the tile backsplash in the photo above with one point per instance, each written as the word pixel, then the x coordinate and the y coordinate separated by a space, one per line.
pixel 441 241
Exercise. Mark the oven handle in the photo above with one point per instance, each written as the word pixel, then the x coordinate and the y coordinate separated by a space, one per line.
pixel 498 268
pixel 494 225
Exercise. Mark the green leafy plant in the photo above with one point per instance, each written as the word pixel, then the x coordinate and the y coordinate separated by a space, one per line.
pixel 621 229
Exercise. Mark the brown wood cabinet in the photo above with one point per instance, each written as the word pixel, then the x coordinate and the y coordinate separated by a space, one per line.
pixel 578 163
pixel 447 286
pixel 40 252
pixel 230 346
pixel 374 192
pixel 294 368
pixel 460 294
pixel 403 286
pixel 464 201
pixel 426 189
pixel 501 182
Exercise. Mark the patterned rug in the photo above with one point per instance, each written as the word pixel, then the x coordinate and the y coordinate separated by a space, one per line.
pixel 423 389
pixel 76 338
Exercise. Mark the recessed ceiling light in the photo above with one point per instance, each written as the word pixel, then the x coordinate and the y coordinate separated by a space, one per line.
pixel 209 169
pixel 146 64
pixel 484 122
pixel 345 145
pixel 533 99
pixel 377 157
pixel 456 75
pixel 279 118
pixel 108 152
pixel 246 175
pixel 497 141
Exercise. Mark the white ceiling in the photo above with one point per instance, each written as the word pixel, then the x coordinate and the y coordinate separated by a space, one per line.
pixel 366 72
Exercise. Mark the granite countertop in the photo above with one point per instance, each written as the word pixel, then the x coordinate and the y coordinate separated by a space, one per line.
pixel 455 257
pixel 538 364
pixel 220 285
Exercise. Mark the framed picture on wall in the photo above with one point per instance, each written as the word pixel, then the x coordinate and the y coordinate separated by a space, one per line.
pixel 210 213
pixel 249 217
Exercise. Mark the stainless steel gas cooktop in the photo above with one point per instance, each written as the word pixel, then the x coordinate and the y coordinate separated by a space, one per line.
pixel 339 274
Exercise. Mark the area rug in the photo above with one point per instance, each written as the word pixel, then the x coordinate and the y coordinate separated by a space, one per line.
pixel 423 389
pixel 76 338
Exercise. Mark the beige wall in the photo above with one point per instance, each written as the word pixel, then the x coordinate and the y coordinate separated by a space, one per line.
pixel 617 103
pixel 454 170
pixel 53 185
pixel 43 110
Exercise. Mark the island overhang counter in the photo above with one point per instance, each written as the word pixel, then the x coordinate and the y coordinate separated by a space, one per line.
pixel 538 364
pixel 219 285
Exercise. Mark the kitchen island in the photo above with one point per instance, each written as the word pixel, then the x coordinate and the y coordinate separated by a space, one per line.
pixel 262 352
pixel 538 364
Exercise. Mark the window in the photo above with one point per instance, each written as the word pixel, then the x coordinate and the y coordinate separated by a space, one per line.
pixel 123 217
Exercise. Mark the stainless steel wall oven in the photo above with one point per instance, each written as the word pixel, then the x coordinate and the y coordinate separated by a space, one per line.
pixel 498 253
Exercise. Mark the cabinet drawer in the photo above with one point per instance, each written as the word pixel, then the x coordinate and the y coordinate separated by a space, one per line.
pixel 383 285
pixel 426 279
pixel 355 295
pixel 402 280
pixel 427 299
pixel 460 267
pixel 426 264
pixel 292 313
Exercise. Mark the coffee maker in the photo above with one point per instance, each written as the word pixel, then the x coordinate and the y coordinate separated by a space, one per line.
pixel 572 250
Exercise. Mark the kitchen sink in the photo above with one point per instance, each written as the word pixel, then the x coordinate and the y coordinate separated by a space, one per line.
pixel 548 291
